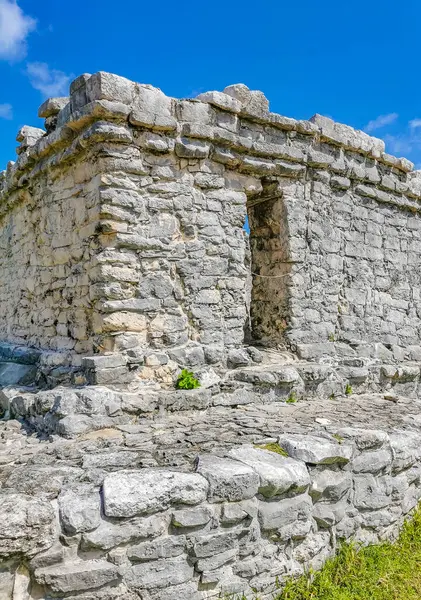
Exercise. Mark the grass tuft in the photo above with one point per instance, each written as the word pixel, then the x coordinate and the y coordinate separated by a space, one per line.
pixel 292 398
pixel 388 571
pixel 274 447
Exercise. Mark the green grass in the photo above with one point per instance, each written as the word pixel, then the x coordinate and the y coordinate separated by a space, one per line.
pixel 387 571
pixel 382 572
pixel 274 447
pixel 292 398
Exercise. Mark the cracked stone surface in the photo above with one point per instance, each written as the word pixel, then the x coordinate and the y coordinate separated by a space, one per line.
pixel 176 439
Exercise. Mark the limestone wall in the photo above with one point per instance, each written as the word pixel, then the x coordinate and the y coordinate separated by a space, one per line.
pixel 361 284
pixel 235 525
pixel 46 252
pixel 122 232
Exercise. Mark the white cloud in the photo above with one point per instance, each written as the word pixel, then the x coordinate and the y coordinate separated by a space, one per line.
pixel 406 141
pixel 402 144
pixel 415 123
pixel 380 121
pixel 6 111
pixel 50 82
pixel 15 27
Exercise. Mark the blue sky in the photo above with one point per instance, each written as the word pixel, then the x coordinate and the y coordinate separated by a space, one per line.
pixel 355 61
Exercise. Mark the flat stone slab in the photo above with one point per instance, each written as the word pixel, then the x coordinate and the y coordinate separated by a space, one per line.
pixel 78 576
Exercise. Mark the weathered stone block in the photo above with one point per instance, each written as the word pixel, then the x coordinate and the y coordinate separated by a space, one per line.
pixel 372 492
pixel 26 524
pixel 372 462
pixel 15 374
pixel 168 547
pixel 192 517
pixel 228 479
pixel 405 448
pixel 364 439
pixel 130 493
pixel 329 485
pixel 52 107
pixel 78 576
pixel 159 573
pixel 235 512
pixel 221 100
pixel 79 509
pixel 215 543
pixel 216 561
pixel 186 148
pixel 111 534
pixel 315 450
pixel 291 518
pixel 327 515
pixel 106 86
pixel 152 108
pixel 277 474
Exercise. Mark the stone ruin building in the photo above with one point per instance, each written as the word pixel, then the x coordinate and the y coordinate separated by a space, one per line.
pixel 123 260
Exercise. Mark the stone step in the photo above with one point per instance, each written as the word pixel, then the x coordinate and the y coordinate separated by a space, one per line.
pixel 71 411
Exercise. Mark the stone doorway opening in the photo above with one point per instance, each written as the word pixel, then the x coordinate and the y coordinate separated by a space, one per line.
pixel 267 286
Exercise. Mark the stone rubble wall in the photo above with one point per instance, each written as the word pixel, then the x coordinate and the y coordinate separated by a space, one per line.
pixel 122 231
pixel 361 284
pixel 47 251
pixel 235 524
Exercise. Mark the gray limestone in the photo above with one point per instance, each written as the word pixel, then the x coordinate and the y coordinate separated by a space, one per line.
pixel 79 509
pixel 316 451
pixel 110 534
pixel 228 479
pixel 277 474
pixel 26 524
pixel 130 493
pixel 290 517
pixel 160 573
pixel 329 485
pixel 77 576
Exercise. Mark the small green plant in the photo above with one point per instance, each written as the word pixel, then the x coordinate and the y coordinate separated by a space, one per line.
pixel 187 381
pixel 331 337
pixel 348 389
pixel 292 398
pixel 332 396
pixel 338 438
pixel 274 447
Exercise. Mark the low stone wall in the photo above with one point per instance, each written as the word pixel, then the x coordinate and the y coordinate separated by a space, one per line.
pixel 235 524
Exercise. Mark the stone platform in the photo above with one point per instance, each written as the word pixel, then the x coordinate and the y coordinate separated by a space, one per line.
pixel 195 503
